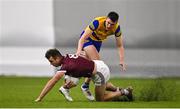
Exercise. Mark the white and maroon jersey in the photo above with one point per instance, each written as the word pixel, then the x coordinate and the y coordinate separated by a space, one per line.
pixel 77 66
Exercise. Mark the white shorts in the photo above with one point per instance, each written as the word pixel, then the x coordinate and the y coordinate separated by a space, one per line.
pixel 103 73
pixel 73 79
pixel 67 77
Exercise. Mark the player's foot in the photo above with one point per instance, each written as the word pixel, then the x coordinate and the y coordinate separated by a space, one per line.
pixel 87 93
pixel 129 95
pixel 65 93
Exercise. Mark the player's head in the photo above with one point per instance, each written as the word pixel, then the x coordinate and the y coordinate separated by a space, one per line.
pixel 54 57
pixel 112 19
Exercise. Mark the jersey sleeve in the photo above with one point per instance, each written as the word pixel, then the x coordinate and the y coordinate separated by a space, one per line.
pixel 62 69
pixel 118 31
pixel 94 25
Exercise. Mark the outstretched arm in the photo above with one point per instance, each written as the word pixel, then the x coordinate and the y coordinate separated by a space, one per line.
pixel 49 85
pixel 119 43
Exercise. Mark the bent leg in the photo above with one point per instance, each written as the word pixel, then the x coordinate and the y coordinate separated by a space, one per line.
pixel 70 82
pixel 100 92
pixel 111 87
pixel 87 80
pixel 108 96
pixel 69 85
pixel 91 52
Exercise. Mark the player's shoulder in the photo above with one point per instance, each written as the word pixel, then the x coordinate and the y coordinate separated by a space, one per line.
pixel 117 30
pixel 101 18
pixel 117 26
pixel 97 22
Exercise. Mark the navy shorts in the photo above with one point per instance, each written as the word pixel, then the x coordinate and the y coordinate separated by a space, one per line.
pixel 89 41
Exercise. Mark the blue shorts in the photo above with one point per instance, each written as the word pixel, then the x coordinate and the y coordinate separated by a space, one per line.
pixel 89 41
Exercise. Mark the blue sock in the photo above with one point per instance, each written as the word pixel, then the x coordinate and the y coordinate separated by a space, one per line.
pixel 85 85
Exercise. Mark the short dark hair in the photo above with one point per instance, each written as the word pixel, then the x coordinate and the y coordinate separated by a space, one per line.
pixel 113 16
pixel 52 52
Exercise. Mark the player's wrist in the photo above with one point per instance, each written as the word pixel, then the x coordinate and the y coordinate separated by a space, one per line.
pixel 78 52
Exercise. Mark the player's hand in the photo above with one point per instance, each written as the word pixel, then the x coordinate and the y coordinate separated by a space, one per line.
pixel 38 100
pixel 81 53
pixel 78 52
pixel 123 66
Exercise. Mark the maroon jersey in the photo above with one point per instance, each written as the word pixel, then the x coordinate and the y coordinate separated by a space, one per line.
pixel 77 66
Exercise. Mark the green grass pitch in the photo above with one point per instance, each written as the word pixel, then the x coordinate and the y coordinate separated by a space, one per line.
pixel 20 92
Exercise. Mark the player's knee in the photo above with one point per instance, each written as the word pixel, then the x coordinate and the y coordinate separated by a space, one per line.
pixel 70 84
pixel 99 98
pixel 73 81
pixel 73 85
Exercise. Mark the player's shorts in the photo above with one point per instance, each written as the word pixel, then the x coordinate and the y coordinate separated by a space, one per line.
pixel 73 79
pixel 89 41
pixel 102 75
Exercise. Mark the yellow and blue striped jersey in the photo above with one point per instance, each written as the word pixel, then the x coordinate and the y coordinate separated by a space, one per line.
pixel 99 30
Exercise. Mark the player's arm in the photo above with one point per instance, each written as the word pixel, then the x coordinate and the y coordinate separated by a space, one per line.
pixel 50 84
pixel 120 47
pixel 87 33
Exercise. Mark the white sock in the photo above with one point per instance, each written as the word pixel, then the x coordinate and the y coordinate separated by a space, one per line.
pixel 117 89
pixel 63 88
pixel 126 92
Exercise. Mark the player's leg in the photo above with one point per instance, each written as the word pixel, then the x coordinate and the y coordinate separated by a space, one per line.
pixel 128 92
pixel 102 95
pixel 111 87
pixel 85 89
pixel 100 92
pixel 108 96
pixel 85 85
pixel 100 79
pixel 65 93
pixel 91 49
pixel 70 82
pixel 124 91
pixel 92 52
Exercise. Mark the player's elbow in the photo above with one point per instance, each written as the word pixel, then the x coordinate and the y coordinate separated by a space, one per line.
pixel 81 40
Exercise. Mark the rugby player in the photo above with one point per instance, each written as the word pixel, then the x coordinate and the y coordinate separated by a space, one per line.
pixel 91 40
pixel 77 66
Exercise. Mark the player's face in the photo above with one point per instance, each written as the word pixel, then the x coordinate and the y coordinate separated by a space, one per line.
pixel 54 61
pixel 109 24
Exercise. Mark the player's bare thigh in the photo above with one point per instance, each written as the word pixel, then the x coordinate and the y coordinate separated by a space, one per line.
pixel 92 53
pixel 100 92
